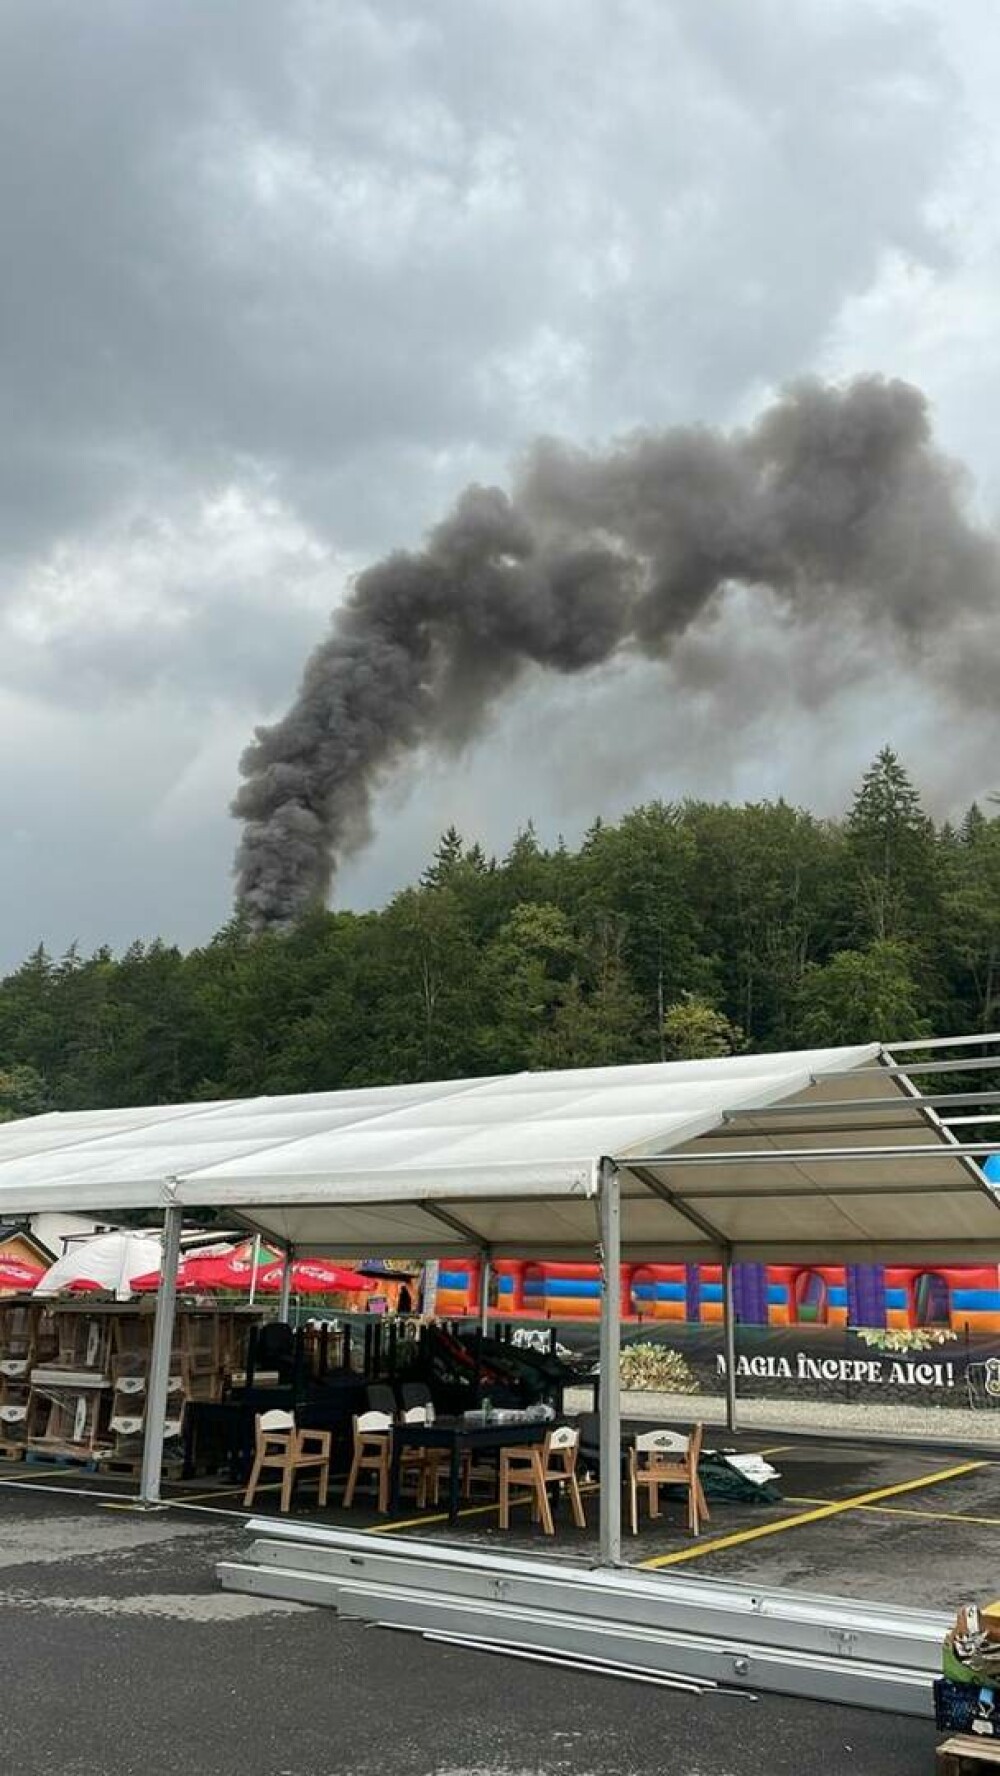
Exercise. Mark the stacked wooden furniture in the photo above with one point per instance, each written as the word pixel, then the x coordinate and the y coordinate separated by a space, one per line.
pixel 87 1401
pixel 27 1337
pixel 70 1393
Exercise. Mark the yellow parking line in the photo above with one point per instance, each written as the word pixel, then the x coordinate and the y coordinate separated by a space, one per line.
pixel 907 1511
pixel 802 1518
pixel 375 1529
pixel 223 1492
pixel 41 1474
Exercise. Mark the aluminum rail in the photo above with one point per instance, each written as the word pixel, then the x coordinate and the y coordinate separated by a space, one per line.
pixel 792 1643
pixel 883 1072
pixel 785 1155
pixel 820 1107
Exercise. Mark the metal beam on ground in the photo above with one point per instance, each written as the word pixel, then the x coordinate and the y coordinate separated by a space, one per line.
pixel 609 1186
pixel 792 1643
pixel 159 1360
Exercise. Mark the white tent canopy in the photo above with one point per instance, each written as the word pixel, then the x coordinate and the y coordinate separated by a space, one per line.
pixel 511 1163
pixel 819 1154
pixel 108 1261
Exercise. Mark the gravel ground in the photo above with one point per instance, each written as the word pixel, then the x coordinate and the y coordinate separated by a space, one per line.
pixel 947 1426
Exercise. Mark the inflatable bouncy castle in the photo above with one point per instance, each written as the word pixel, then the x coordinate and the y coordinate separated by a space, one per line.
pixel 897 1297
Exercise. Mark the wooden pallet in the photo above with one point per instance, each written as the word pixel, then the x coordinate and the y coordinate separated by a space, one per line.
pixel 127 1467
pixel 11 1452
pixel 58 1454
pixel 965 1755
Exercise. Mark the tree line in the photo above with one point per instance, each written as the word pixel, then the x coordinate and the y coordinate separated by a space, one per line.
pixel 683 929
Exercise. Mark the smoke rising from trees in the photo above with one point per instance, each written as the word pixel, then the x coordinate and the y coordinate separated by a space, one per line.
pixel 835 501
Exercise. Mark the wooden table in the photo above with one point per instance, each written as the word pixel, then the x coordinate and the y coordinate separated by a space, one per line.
pixel 459 1439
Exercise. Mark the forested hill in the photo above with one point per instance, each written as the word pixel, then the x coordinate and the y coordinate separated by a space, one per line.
pixel 682 930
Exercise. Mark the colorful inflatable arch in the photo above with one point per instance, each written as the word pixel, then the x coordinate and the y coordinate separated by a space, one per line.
pixel 950 1297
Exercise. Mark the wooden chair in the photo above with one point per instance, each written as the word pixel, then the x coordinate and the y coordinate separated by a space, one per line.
pixel 533 1468
pixel 372 1455
pixel 280 1444
pixel 667 1458
pixel 424 1466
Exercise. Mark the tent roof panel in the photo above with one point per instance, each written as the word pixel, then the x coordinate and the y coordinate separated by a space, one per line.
pixel 511 1162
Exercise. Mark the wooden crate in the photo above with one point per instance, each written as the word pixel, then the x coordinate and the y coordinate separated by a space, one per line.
pixel 68 1415
pixel 965 1755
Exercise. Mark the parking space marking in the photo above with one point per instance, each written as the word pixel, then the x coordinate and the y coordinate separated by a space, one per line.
pixel 802 1518
pixel 908 1511
pixel 38 1479
pixel 375 1529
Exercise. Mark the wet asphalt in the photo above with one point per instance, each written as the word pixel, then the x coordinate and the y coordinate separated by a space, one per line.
pixel 119 1654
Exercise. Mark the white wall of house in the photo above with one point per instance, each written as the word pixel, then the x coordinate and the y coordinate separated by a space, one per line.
pixel 56 1231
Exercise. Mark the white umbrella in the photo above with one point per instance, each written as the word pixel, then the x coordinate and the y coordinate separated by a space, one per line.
pixel 108 1261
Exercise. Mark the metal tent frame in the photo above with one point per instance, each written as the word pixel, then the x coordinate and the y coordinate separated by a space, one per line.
pixel 808 1155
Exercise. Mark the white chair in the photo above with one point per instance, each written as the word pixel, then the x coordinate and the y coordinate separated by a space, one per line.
pixel 280 1444
pixel 667 1458
pixel 372 1455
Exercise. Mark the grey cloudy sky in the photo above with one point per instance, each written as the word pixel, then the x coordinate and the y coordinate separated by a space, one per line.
pixel 279 279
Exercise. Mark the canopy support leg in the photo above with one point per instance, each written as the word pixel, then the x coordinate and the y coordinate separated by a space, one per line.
pixel 610 1354
pixel 484 1292
pixel 285 1292
pixel 729 1339
pixel 255 1266
pixel 159 1360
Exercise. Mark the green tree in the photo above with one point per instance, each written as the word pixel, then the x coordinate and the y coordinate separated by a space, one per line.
pixel 526 971
pixel 970 931
pixel 22 1093
pixel 693 1029
pixel 862 996
pixel 891 844
pixel 639 875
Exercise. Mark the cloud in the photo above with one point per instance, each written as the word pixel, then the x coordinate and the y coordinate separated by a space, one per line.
pixel 279 280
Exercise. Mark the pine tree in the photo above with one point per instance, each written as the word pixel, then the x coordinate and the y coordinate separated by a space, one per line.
pixel 447 858
pixel 892 845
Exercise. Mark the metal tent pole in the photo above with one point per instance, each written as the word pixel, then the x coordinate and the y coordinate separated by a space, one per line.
pixel 484 1293
pixel 285 1292
pixel 610 1396
pixel 729 1339
pixel 254 1267
pixel 159 1360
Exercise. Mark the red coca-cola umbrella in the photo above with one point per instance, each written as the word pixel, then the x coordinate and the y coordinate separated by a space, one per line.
pixel 210 1270
pixel 314 1276
pixel 16 1274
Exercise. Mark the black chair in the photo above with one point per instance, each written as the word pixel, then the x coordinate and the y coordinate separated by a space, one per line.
pixel 275 1349
pixel 414 1393
pixel 590 1444
pixel 379 1397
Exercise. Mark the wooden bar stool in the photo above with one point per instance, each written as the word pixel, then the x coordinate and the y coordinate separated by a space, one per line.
pixel 532 1469
pixel 280 1444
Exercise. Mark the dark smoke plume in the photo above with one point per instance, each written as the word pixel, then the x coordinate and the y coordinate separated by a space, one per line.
pixel 835 500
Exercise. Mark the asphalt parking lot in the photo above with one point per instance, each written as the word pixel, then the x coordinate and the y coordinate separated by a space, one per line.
pixel 120 1655
pixel 888 1523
